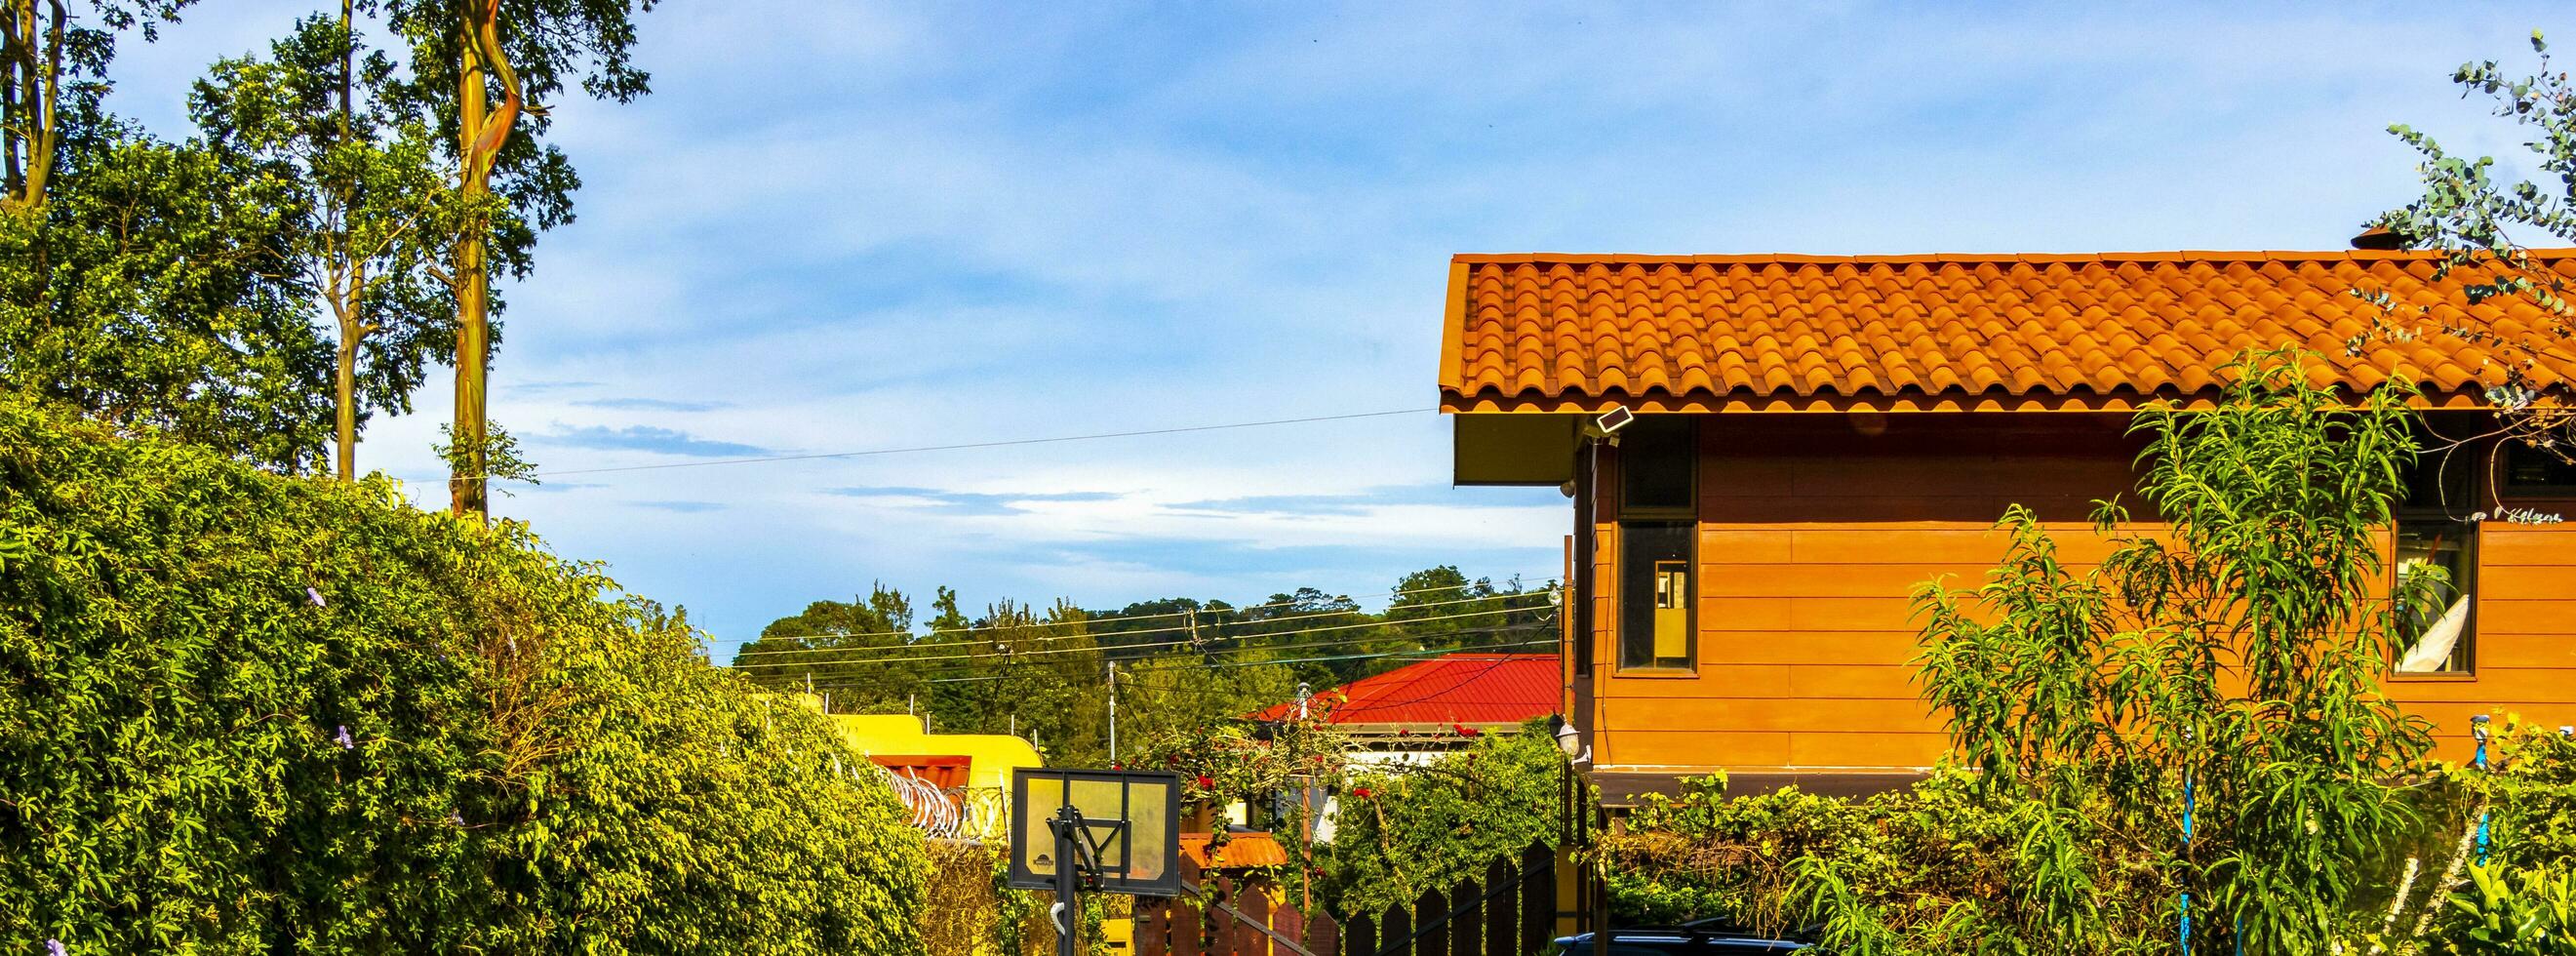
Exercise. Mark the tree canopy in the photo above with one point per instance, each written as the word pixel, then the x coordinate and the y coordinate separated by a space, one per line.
pixel 263 714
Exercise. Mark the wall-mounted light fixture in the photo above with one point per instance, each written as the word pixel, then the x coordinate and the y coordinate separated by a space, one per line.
pixel 1569 741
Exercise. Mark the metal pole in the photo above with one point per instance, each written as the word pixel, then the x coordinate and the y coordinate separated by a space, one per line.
pixel 1068 882
pixel 1113 713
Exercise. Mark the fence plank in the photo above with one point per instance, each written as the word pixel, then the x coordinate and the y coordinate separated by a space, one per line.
pixel 1246 938
pixel 1395 930
pixel 1323 934
pixel 1465 903
pixel 1359 936
pixel 1431 924
pixel 1290 923
pixel 1151 917
pixel 1502 879
pixel 1538 897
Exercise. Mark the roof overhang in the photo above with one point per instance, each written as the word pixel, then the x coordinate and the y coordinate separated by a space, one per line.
pixel 1491 408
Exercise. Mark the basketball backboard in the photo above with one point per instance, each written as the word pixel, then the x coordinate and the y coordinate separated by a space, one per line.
pixel 1129 822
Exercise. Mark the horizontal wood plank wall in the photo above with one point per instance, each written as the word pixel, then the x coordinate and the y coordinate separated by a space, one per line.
pixel 2525 630
pixel 1816 529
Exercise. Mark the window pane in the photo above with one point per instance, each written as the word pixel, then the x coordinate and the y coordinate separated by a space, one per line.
pixel 2436 577
pixel 2441 482
pixel 2532 469
pixel 1656 594
pixel 1656 458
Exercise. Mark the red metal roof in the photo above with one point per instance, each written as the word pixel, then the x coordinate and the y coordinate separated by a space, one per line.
pixel 1454 689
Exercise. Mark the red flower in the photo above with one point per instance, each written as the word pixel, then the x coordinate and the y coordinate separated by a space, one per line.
pixel 1205 783
pixel 1360 792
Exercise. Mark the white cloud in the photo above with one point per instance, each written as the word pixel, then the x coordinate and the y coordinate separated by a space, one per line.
pixel 854 226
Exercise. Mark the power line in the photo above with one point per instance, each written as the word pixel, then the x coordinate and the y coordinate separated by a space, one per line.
pixel 1009 443
pixel 1307 660
pixel 1415 653
pixel 1106 619
pixel 1123 647
pixel 1002 633
pixel 1149 664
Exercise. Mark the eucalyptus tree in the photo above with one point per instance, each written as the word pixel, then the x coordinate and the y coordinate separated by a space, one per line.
pixel 145 282
pixel 2479 221
pixel 485 68
pixel 142 281
pixel 51 66
pixel 318 106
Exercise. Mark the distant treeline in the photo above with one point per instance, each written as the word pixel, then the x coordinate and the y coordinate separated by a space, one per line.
pixel 1044 673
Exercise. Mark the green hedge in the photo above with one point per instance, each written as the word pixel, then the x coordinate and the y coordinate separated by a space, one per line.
pixel 245 713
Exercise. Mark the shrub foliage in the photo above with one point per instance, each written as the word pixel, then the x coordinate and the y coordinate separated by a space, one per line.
pixel 247 713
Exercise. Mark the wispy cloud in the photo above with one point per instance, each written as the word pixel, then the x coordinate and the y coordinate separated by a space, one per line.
pixel 969 503
pixel 1340 503
pixel 651 405
pixel 660 441
pixel 684 507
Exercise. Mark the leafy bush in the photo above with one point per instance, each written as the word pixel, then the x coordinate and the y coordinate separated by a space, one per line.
pixel 2513 912
pixel 1927 856
pixel 1403 830
pixel 248 713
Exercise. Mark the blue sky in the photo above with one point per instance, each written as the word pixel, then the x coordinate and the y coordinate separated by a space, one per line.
pixel 843 226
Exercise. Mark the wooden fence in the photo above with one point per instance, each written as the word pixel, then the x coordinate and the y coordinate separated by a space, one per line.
pixel 1508 912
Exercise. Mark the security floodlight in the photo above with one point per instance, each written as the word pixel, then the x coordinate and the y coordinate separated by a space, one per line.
pixel 1610 422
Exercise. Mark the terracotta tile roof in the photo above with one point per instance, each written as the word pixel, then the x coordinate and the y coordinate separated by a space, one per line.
pixel 1469 688
pixel 2108 331
pixel 1244 849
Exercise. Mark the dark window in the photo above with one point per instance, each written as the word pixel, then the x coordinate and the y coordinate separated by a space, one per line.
pixel 2538 471
pixel 1656 595
pixel 1658 465
pixel 2436 574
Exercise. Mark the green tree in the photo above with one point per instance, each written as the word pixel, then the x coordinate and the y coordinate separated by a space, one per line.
pixel 2476 222
pixel 182 256
pixel 2235 651
pixel 485 67
pixel 858 651
pixel 319 108
pixel 52 74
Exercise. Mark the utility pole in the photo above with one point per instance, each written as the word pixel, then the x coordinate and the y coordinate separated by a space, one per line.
pixel 1113 713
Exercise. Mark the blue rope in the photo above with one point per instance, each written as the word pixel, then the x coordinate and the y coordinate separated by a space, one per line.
pixel 2480 762
pixel 2183 937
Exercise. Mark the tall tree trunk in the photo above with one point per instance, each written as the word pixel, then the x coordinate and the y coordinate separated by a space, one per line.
pixel 348 295
pixel 466 487
pixel 347 438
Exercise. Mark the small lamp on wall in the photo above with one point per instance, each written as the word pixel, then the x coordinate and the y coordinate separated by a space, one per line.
pixel 1569 741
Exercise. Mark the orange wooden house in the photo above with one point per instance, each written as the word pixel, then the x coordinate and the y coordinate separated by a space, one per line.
pixel 1816 435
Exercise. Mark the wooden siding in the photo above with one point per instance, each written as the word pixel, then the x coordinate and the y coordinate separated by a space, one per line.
pixel 1814 531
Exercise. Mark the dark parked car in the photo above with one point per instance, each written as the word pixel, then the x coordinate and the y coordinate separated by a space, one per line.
pixel 1703 937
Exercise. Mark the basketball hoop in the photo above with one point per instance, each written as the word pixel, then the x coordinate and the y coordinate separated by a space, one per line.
pixel 1108 831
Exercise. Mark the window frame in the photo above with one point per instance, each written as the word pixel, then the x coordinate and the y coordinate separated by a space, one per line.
pixel 2506 487
pixel 1631 516
pixel 2405 511
pixel 1629 599
pixel 1689 508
